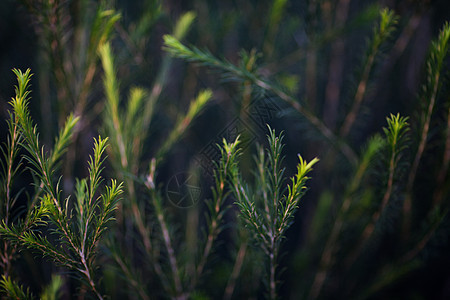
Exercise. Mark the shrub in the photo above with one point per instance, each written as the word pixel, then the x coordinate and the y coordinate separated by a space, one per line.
pixel 187 213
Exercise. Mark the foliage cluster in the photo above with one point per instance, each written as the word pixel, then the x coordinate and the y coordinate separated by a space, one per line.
pixel 374 219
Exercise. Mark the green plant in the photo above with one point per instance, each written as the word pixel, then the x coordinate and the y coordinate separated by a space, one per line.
pixel 267 209
pixel 360 196
pixel 78 233
pixel 373 222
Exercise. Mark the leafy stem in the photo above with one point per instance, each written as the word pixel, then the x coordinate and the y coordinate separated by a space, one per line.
pixel 268 224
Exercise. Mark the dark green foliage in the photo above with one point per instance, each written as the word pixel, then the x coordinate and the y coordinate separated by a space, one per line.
pixel 268 212
pixel 77 233
pixel 159 85
pixel 13 290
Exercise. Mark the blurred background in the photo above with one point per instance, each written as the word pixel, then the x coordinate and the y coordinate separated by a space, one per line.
pixel 313 49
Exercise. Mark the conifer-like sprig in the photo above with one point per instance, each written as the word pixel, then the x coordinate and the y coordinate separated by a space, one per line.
pixel 381 33
pixel 220 192
pixel 427 97
pixel 13 290
pixel 268 222
pixel 78 235
pixel 128 123
pixel 204 57
pixel 11 165
pixel 177 290
pixel 38 157
pixel 129 130
pixel 396 142
pixel 296 190
pixel 397 138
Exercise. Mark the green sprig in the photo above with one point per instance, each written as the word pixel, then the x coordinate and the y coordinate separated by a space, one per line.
pixel 268 222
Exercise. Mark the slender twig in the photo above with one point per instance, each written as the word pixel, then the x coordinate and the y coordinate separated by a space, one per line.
pixel 435 62
pixel 407 204
pixel 236 271
pixel 179 294
pixel 381 33
pixel 328 253
pixel 268 225
pixel 370 227
pixel 313 119
pixel 193 54
pixel 216 216
pixel 11 152
pixel 87 273
pixel 396 138
pixel 359 96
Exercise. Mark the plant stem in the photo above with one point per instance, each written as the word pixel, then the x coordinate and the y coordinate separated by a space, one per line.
pixel 273 265
pixel 407 205
pixel 370 227
pixel 359 96
pixel 15 139
pixel 169 248
pixel 236 271
pixel 313 119
pixel 87 273
pixel 213 229
pixel 179 50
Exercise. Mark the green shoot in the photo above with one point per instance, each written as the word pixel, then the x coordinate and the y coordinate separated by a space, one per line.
pixel 268 225
pixel 79 234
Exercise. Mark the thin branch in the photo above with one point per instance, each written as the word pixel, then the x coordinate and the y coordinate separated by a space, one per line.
pixel 173 46
pixel 231 285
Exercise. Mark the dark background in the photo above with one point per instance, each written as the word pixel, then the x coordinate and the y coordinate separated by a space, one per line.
pixel 226 27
